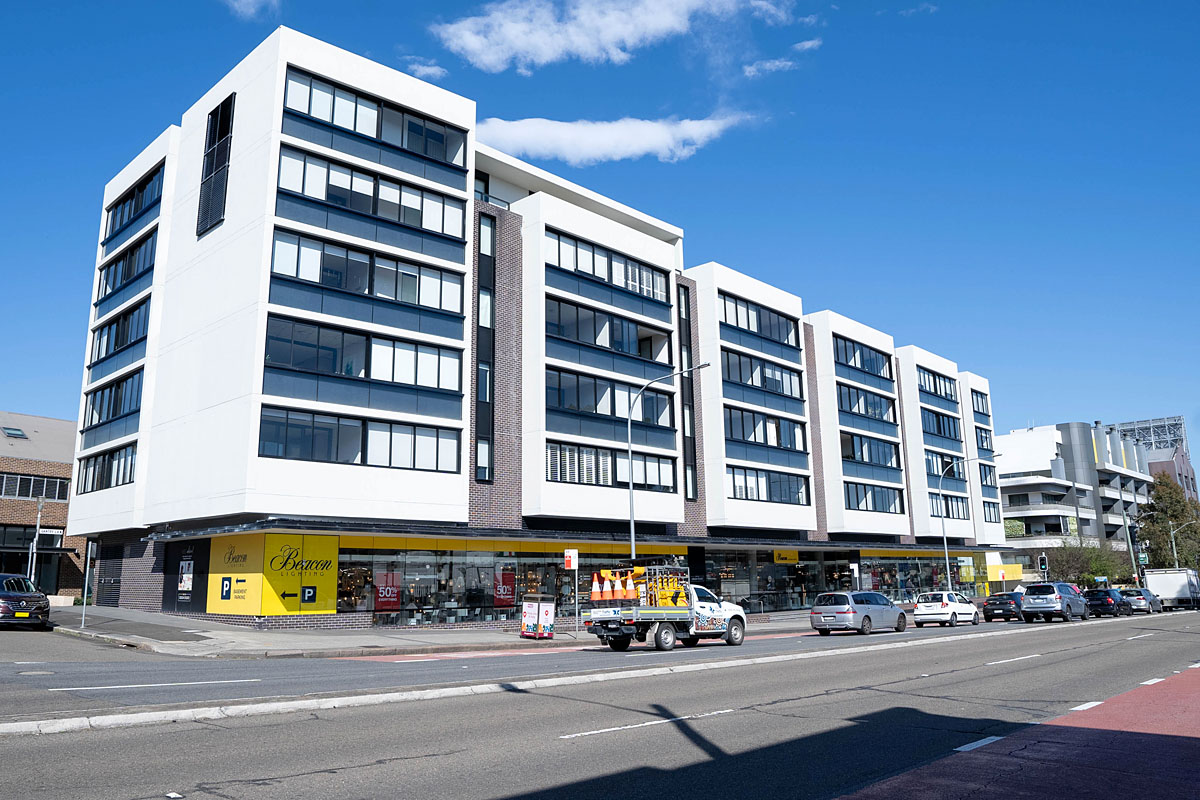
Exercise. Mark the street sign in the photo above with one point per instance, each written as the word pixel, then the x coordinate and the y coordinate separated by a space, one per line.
pixel 570 559
pixel 1143 558
pixel 1001 575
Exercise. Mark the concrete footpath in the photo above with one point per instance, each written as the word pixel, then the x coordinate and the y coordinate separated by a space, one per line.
pixel 187 636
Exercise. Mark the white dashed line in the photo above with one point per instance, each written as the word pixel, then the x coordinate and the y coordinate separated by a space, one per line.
pixel 1010 660
pixel 1086 706
pixel 149 685
pixel 980 743
pixel 1143 636
pixel 1153 681
pixel 646 724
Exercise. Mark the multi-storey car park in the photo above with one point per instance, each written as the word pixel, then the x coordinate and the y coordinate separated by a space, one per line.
pixel 349 366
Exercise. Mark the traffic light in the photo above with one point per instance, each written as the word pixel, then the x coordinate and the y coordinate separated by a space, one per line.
pixel 1043 563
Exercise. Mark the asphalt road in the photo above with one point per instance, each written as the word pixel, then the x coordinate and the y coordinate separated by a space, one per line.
pixel 53 675
pixel 813 728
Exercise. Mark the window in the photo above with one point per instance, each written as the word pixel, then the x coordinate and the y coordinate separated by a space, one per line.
pixel 364 273
pixel 991 511
pixel 214 175
pixel 1018 499
pixel 983 438
pixel 31 487
pixel 483 460
pixel 121 332
pixel 935 383
pixel 757 319
pixel 866 404
pixel 949 506
pixel 487 236
pixel 766 486
pixel 761 374
pixel 979 402
pixel 485 308
pixel 860 357
pixel 483 382
pixel 117 399
pixel 599 466
pixel 574 255
pixel 751 426
pixel 364 115
pixel 340 185
pixel 938 463
pixel 866 497
pixel 987 475
pixel 569 391
pixel 600 329
pixel 304 436
pixel 145 194
pixel 106 470
pixel 940 424
pixel 869 450
pixel 132 263
pixel 14 433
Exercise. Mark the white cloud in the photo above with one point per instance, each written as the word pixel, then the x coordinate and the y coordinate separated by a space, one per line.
pixel 768 66
pixel 924 8
pixel 249 9
pixel 773 12
pixel 811 19
pixel 808 44
pixel 586 142
pixel 532 33
pixel 424 68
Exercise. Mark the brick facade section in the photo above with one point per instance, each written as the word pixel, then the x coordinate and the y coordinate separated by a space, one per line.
pixel 498 504
pixel 695 513
pixel 817 490
pixel 54 516
pixel 141 569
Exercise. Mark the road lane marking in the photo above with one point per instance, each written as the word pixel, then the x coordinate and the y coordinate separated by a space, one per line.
pixel 413 660
pixel 150 685
pixel 647 724
pixel 1010 660
pixel 1143 636
pixel 1086 706
pixel 980 743
pixel 1153 681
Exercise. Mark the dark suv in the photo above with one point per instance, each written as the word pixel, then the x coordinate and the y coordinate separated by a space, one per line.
pixel 1108 601
pixel 1050 600
pixel 21 603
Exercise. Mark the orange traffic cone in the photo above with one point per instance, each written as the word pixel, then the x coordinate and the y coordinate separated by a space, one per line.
pixel 618 588
pixel 607 592
pixel 595 586
pixel 630 590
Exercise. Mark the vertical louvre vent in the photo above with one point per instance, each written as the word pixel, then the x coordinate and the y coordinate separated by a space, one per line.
pixel 214 179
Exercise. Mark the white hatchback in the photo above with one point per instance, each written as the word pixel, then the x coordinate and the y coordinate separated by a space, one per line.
pixel 944 608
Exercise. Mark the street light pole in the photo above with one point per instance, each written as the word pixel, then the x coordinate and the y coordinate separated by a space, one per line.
pixel 942 508
pixel 1174 552
pixel 37 531
pixel 629 446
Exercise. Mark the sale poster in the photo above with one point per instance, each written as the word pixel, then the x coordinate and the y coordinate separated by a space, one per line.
pixel 504 587
pixel 387 590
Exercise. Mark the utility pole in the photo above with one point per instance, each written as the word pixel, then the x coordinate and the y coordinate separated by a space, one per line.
pixel 37 531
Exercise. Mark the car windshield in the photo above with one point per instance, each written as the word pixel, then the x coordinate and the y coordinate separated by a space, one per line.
pixel 832 600
pixel 1096 593
pixel 19 586
pixel 1130 593
pixel 1041 588
pixel 935 597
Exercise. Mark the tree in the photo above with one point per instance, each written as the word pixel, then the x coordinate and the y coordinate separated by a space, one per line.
pixel 1170 509
pixel 1080 562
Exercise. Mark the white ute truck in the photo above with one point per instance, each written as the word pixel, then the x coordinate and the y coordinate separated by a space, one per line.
pixel 1177 588
pixel 661 603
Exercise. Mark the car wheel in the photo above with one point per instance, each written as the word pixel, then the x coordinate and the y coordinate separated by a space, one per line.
pixel 664 637
pixel 919 624
pixel 690 641
pixel 865 630
pixel 975 619
pixel 901 622
pixel 619 643
pixel 954 620
pixel 1086 615
pixel 986 618
pixel 1027 618
pixel 736 633
pixel 824 631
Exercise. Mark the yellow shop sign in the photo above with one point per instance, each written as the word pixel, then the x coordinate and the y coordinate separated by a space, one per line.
pixel 273 574
pixel 235 565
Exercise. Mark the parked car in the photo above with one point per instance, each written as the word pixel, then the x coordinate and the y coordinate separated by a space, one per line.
pixel 1143 600
pixel 944 608
pixel 1050 600
pixel 855 611
pixel 21 603
pixel 1003 604
pixel 1108 601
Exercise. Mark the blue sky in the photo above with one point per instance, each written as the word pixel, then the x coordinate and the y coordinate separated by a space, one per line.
pixel 1012 185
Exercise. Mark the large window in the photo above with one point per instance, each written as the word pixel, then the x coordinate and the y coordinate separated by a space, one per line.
pixel 761 374
pixel 949 506
pixel 103 471
pixel 147 191
pixel 938 463
pixel 866 404
pixel 987 475
pixel 304 436
pixel 979 402
pixel 571 392
pixel 31 487
pixel 582 324
pixel 940 424
pixel 121 332
pixel 766 486
pixel 983 438
pixel 869 450
pixel 114 400
pixel 991 511
pixel 576 255
pixel 751 426
pixel 333 351
pixel 214 176
pixel 599 466
pixel 133 262
pixel 936 383
pixel 757 319
pixel 365 115
pixel 881 499
pixel 367 193
pixel 365 273
pixel 859 356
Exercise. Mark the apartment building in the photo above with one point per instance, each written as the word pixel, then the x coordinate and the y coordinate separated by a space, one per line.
pixel 391 373
pixel 1167 450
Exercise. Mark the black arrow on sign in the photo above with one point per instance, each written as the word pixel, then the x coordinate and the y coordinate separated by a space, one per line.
pixel 286 595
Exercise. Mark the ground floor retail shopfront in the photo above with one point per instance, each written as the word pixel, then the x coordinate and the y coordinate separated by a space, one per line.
pixel 422 581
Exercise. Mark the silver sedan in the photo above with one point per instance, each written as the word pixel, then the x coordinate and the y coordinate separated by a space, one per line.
pixel 1143 600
